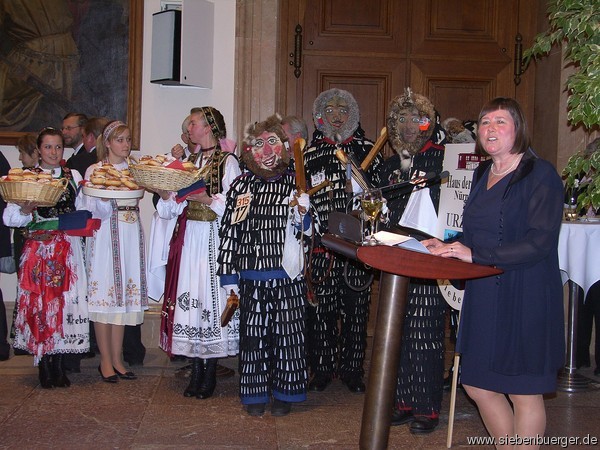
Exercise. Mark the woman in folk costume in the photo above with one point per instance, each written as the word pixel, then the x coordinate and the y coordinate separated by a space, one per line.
pixel 52 316
pixel 193 301
pixel 257 225
pixel 115 257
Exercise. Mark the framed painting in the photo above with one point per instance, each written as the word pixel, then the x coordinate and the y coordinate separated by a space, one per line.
pixel 69 56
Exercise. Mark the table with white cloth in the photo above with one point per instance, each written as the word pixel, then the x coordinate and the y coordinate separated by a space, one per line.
pixel 579 262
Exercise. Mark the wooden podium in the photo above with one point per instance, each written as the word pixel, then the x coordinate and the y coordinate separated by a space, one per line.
pixel 397 266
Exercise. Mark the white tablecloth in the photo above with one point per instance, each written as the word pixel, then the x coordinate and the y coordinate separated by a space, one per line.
pixel 579 253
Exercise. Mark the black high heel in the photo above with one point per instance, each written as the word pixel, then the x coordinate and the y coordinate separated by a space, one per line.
pixel 126 375
pixel 109 379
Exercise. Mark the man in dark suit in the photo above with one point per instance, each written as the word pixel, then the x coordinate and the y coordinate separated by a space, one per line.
pixel 72 130
pixel 91 130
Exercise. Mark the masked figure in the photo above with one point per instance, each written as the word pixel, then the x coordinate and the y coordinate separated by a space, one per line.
pixel 418 141
pixel 260 243
pixel 336 118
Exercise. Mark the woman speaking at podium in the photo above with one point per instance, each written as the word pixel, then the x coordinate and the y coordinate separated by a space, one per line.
pixel 511 334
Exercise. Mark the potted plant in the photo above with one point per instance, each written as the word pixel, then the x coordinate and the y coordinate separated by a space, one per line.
pixel 575 24
pixel 582 177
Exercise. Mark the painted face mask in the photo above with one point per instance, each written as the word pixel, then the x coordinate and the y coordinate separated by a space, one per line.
pixel 336 114
pixel 265 148
pixel 410 123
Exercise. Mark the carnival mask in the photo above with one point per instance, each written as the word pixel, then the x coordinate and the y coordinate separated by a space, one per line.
pixel 265 148
pixel 336 114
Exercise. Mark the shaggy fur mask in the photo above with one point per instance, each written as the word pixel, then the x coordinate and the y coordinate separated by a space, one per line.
pixel 402 104
pixel 252 131
pixel 348 128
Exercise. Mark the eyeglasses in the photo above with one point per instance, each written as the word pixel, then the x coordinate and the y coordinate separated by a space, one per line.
pixel 70 128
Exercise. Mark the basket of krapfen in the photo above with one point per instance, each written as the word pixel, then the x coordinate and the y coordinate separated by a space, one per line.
pixel 153 174
pixel 44 193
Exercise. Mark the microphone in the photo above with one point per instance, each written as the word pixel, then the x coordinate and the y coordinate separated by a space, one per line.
pixel 442 175
pixel 429 179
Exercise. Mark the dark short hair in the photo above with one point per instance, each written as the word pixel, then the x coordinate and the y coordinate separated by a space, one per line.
pixel 95 125
pixel 81 118
pixel 522 138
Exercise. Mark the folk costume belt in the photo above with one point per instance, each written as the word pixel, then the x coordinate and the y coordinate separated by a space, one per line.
pixel 200 212
pixel 42 235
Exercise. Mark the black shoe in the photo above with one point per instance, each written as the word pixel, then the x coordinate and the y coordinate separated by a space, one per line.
pixel 423 425
pixel 109 379
pixel 402 416
pixel 209 381
pixel 280 408
pixel 196 376
pixel 45 372
pixel 59 376
pixel 19 352
pixel 319 382
pixel 597 371
pixel 255 409
pixel 126 375
pixel 354 383
pixel 4 356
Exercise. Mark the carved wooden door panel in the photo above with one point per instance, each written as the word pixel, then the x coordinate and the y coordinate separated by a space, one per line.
pixel 459 53
pixel 465 54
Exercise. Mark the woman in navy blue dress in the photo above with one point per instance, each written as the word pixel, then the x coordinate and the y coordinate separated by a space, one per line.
pixel 511 333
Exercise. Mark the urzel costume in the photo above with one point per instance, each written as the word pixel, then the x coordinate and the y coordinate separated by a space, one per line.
pixel 419 389
pixel 335 299
pixel 256 225
pixel 193 301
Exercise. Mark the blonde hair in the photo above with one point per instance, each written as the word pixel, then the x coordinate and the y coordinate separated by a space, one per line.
pixel 112 129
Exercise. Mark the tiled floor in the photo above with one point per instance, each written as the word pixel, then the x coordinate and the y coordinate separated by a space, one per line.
pixel 151 413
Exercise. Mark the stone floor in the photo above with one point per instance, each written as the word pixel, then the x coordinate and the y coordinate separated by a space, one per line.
pixel 151 413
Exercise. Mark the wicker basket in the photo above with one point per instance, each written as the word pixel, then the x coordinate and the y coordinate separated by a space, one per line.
pixel 163 178
pixel 44 194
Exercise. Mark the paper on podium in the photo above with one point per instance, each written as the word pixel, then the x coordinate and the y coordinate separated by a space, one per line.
pixel 399 240
pixel 419 213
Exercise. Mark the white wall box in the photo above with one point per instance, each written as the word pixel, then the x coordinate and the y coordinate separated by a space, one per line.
pixel 182 45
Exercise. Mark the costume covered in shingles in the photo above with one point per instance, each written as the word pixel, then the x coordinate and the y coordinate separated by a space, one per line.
pixel 52 316
pixel 421 371
pixel 256 224
pixel 335 299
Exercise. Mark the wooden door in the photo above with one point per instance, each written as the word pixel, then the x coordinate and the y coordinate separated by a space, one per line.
pixel 459 53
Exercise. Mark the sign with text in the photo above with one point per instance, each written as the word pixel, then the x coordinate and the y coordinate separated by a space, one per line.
pixel 460 161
